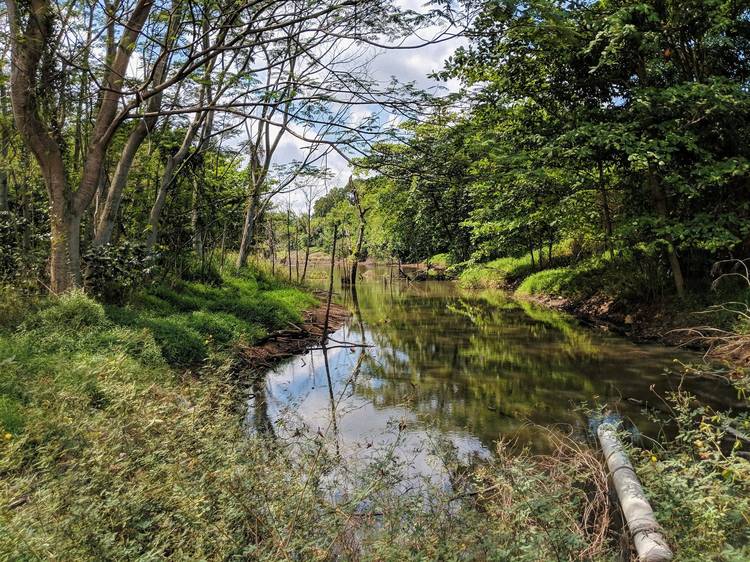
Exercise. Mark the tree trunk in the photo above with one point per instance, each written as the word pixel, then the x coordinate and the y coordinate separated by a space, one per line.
pixel 65 257
pixel 307 259
pixel 248 230
pixel 296 247
pixel 607 217
pixel 330 284
pixel 3 190
pixel 108 214
pixel 4 141
pixel 195 219
pixel 272 245
pixel 161 198
pixel 173 162
pixel 28 43
pixel 360 233
pixel 660 203
pixel 289 243
pixel 358 251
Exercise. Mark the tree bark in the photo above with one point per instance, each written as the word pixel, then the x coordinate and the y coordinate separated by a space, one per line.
pixel 168 177
pixel 3 190
pixel 605 210
pixel 289 242
pixel 360 233
pixel 29 42
pixel 248 228
pixel 195 220
pixel 330 285
pixel 660 204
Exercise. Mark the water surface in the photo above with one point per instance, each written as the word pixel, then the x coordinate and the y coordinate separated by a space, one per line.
pixel 466 367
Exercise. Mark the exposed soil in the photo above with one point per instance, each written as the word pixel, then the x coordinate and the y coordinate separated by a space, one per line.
pixel 640 322
pixel 296 339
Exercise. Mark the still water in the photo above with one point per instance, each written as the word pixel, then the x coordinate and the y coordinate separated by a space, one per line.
pixel 467 367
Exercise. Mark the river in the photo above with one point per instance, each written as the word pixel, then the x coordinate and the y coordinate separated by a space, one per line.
pixel 458 366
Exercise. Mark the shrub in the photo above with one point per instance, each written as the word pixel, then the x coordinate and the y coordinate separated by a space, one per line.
pixel 698 483
pixel 113 272
pixel 70 312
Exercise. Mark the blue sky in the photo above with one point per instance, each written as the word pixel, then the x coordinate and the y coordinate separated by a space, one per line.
pixel 413 65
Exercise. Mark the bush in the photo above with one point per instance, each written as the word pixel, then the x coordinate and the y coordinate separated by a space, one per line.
pixel 698 483
pixel 113 272
pixel 70 312
pixel 15 306
pixel 23 249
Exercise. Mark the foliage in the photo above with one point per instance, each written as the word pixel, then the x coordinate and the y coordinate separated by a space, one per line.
pixel 698 484
pixel 20 252
pixel 113 272
pixel 588 125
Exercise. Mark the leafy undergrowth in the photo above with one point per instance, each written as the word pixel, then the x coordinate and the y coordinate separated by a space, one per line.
pixel 699 482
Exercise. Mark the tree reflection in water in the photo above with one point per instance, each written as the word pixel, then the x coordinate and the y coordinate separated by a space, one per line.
pixel 463 366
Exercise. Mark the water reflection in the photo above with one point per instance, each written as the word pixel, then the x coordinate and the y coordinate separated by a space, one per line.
pixel 446 364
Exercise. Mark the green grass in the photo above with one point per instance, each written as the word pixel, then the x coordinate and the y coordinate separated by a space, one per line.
pixel 568 281
pixel 110 452
pixel 107 451
pixel 192 320
pixel 440 260
pixel 496 273
pixel 55 340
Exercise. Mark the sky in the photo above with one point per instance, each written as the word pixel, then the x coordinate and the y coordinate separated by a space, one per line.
pixel 406 66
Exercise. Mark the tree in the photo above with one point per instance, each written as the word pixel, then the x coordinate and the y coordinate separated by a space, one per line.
pixel 33 38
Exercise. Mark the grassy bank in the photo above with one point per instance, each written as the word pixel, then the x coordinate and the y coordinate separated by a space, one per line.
pixel 616 291
pixel 121 438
